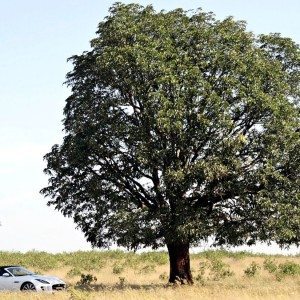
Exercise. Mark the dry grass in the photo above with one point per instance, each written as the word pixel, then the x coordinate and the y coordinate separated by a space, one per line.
pixel 119 279
pixel 216 292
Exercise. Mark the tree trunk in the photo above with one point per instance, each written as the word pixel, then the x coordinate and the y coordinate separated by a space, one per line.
pixel 180 270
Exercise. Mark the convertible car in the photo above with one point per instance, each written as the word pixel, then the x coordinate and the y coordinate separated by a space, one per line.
pixel 16 278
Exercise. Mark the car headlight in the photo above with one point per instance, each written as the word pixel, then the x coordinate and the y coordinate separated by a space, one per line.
pixel 42 281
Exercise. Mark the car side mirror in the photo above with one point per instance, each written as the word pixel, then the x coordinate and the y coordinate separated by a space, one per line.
pixel 5 275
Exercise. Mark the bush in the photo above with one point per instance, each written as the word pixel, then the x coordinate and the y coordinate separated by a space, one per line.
pixel 219 270
pixel 85 260
pixel 252 270
pixel 270 265
pixel 154 258
pixel 203 266
pixel 289 268
pixel 222 253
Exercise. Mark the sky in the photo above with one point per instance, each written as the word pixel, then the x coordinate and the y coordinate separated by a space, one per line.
pixel 36 38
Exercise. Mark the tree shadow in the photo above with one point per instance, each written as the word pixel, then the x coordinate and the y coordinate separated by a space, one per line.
pixel 120 286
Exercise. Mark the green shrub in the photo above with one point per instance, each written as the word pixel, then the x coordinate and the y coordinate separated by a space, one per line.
pixel 156 258
pixel 252 270
pixel 219 270
pixel 270 265
pixel 222 253
pixel 85 260
pixel 289 268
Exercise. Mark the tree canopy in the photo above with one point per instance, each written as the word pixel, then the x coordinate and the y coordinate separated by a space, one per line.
pixel 180 127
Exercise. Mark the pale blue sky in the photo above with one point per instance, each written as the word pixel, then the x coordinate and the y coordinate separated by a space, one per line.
pixel 36 38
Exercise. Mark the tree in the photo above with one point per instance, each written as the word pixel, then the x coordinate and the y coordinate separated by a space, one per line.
pixel 180 127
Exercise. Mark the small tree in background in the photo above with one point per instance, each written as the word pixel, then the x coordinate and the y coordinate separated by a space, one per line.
pixel 180 127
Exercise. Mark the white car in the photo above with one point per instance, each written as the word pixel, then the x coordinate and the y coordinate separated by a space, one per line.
pixel 16 278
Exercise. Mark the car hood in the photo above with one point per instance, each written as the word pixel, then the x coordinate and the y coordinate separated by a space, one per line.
pixel 50 279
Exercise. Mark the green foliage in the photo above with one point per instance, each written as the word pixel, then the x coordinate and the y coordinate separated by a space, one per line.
pixel 252 270
pixel 211 266
pixel 270 265
pixel 156 258
pixel 289 268
pixel 39 261
pixel 213 269
pixel 86 260
pixel 219 269
pixel 220 254
pixel 80 261
pixel 200 278
pixel 180 127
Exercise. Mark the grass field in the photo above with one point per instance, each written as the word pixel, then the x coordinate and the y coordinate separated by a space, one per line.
pixel 120 275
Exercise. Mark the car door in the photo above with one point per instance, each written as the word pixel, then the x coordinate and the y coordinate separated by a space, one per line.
pixel 7 283
pixel 1 283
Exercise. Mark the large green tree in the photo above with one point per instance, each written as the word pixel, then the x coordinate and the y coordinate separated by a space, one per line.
pixel 180 127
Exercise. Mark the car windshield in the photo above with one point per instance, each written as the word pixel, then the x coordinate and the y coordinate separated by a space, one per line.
pixel 19 271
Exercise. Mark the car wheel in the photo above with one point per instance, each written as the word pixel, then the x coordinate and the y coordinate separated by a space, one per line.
pixel 28 286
